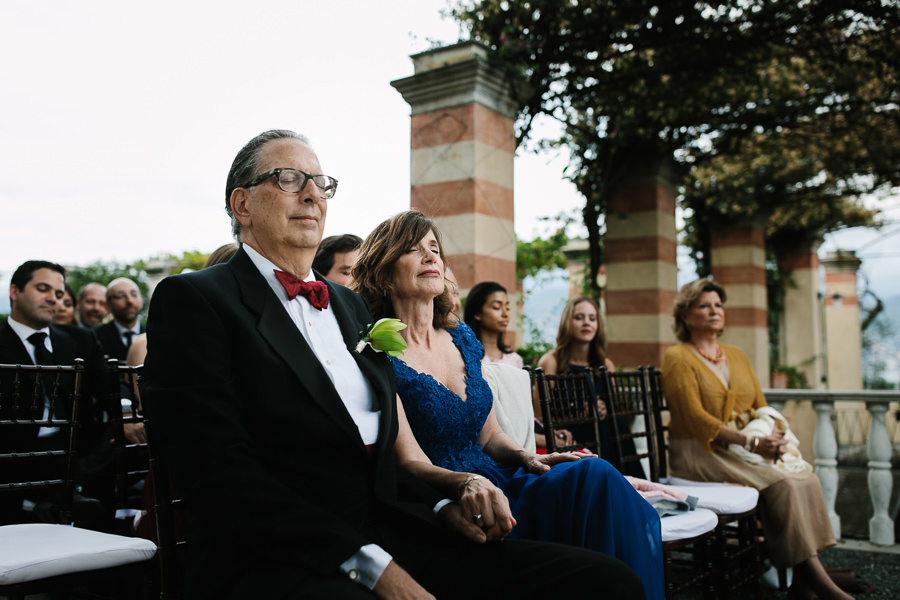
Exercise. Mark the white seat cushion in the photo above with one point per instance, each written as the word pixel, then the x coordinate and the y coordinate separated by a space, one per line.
pixel 721 498
pixel 684 526
pixel 38 550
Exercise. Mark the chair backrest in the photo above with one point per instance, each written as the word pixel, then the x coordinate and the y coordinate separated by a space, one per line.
pixel 511 388
pixel 132 461
pixel 170 514
pixel 566 401
pixel 660 409
pixel 630 410
pixel 39 411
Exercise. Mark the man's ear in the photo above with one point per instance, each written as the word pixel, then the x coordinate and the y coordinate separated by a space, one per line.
pixel 13 292
pixel 240 197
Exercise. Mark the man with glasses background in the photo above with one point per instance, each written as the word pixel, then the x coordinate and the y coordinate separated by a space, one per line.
pixel 279 436
pixel 123 297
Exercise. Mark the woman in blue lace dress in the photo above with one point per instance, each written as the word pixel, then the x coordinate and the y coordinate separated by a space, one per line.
pixel 457 444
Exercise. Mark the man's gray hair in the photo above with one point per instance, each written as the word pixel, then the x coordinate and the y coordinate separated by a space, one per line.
pixel 246 166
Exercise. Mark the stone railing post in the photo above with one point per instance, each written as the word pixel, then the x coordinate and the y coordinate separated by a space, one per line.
pixel 878 446
pixel 825 448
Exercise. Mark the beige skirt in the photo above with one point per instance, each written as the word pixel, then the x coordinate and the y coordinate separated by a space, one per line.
pixel 792 505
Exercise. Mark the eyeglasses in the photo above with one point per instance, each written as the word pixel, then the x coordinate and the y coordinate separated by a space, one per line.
pixel 294 180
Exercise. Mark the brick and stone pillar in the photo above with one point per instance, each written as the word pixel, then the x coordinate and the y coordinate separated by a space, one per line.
pixel 641 271
pixel 801 335
pixel 801 323
pixel 738 258
pixel 843 338
pixel 463 146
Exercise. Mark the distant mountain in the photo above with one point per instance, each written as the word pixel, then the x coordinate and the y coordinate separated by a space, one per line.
pixel 884 354
pixel 545 297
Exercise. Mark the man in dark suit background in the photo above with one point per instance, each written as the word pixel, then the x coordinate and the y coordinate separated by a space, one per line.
pixel 29 337
pixel 335 257
pixel 123 297
pixel 280 437
pixel 92 304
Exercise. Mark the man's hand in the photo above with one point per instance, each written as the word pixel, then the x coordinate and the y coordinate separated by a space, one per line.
pixel 397 583
pixel 134 433
pixel 488 501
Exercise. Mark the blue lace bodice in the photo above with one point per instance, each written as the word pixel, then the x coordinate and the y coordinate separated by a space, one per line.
pixel 446 426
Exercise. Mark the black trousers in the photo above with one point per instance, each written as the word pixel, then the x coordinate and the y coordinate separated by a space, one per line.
pixel 450 567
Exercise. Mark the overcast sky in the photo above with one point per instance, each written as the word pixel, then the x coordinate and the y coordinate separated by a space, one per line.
pixel 119 120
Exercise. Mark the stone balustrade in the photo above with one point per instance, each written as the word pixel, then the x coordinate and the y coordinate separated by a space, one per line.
pixel 825 447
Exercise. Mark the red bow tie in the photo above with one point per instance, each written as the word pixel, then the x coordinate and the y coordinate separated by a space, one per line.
pixel 314 291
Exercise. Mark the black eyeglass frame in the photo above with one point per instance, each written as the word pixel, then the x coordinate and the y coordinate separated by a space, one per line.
pixel 306 178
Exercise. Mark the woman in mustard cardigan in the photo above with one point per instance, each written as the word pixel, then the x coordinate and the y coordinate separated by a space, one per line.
pixel 711 387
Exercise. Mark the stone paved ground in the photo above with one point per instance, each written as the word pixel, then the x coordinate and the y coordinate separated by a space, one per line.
pixel 879 567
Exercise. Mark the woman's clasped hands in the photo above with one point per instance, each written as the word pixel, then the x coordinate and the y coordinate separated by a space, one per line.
pixel 771 447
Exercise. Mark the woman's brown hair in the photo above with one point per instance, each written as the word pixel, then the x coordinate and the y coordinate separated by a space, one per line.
pixel 374 268
pixel 687 296
pixel 566 333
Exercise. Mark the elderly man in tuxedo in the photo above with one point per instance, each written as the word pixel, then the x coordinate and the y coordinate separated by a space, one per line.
pixel 280 437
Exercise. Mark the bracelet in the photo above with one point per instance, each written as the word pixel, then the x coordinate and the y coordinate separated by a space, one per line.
pixel 755 444
pixel 464 484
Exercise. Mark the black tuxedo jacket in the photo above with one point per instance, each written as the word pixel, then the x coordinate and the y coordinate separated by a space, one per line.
pixel 112 341
pixel 68 343
pixel 257 440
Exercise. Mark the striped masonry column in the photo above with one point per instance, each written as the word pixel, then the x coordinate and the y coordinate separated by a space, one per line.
pixel 801 336
pixel 641 271
pixel 463 146
pixel 843 338
pixel 801 324
pixel 738 257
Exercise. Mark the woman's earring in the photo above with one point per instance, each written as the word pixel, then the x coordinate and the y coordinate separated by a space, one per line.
pixel 687 326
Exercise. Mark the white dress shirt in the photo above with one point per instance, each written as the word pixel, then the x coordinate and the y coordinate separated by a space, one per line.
pixel 24 332
pixel 323 334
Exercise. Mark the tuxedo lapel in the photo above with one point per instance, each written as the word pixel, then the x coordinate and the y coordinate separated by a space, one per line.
pixel 64 347
pixel 352 330
pixel 12 349
pixel 279 331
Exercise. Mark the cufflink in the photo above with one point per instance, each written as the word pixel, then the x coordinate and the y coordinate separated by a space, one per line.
pixel 353 574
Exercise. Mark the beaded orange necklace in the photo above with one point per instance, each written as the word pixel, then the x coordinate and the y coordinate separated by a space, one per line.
pixel 719 357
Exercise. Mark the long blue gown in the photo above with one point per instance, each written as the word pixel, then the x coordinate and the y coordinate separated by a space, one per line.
pixel 586 503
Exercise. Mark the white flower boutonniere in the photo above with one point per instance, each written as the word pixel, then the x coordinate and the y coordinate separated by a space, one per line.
pixel 383 337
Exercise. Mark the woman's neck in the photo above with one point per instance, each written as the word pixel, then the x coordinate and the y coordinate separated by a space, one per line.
pixel 579 353
pixel 489 339
pixel 705 341
pixel 419 320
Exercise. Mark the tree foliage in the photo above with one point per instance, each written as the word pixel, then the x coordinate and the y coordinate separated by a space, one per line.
pixel 104 272
pixel 784 110
pixel 541 254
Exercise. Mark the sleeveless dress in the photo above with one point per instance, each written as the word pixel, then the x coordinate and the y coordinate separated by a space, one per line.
pixel 584 503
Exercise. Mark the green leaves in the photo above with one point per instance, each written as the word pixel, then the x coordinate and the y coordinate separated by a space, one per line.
pixel 383 337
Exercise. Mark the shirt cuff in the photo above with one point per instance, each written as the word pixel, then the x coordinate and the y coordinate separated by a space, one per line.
pixel 437 507
pixel 367 565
